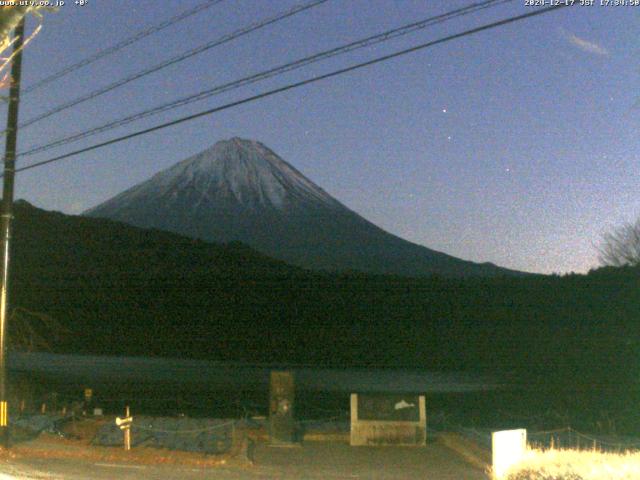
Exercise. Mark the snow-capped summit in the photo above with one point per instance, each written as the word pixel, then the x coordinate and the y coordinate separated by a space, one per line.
pixel 241 190
pixel 238 173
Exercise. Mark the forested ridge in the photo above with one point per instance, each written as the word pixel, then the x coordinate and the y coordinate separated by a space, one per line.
pixel 122 290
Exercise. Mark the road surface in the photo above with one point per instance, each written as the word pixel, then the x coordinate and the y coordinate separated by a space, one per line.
pixel 313 460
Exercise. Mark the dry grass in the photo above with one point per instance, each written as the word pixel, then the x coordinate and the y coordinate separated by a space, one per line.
pixel 576 465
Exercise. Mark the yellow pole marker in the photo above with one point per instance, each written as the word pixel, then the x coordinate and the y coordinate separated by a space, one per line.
pixel 4 414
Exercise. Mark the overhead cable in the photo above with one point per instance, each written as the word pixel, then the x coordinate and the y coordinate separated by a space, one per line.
pixel 172 61
pixel 120 45
pixel 301 83
pixel 272 72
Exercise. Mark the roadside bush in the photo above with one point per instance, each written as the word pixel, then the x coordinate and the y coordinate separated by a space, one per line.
pixel 576 465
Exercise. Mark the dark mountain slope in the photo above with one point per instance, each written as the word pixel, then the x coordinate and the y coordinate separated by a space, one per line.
pixel 127 291
pixel 240 190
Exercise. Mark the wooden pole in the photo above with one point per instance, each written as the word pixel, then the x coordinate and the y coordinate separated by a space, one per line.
pixel 7 217
pixel 127 432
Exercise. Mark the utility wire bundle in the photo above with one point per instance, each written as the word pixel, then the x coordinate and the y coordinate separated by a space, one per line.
pixel 272 72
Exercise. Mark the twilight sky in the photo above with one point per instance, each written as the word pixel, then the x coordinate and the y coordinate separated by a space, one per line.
pixel 517 145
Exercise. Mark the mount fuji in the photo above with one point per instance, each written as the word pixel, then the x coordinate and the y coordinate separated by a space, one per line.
pixel 240 190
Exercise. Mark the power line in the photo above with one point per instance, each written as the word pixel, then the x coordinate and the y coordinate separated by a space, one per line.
pixel 296 85
pixel 120 45
pixel 365 42
pixel 172 61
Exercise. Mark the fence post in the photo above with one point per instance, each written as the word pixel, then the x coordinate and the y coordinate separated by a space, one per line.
pixel 127 433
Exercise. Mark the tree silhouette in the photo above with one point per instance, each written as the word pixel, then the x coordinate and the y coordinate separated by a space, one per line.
pixel 621 246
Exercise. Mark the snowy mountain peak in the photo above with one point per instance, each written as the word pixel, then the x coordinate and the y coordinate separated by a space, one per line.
pixel 238 173
pixel 240 190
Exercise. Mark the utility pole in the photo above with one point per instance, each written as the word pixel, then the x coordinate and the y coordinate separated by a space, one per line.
pixel 7 217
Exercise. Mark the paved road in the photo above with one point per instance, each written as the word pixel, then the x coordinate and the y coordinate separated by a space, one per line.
pixel 316 460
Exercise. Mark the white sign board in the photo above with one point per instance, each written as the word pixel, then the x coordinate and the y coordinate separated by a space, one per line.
pixel 508 448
